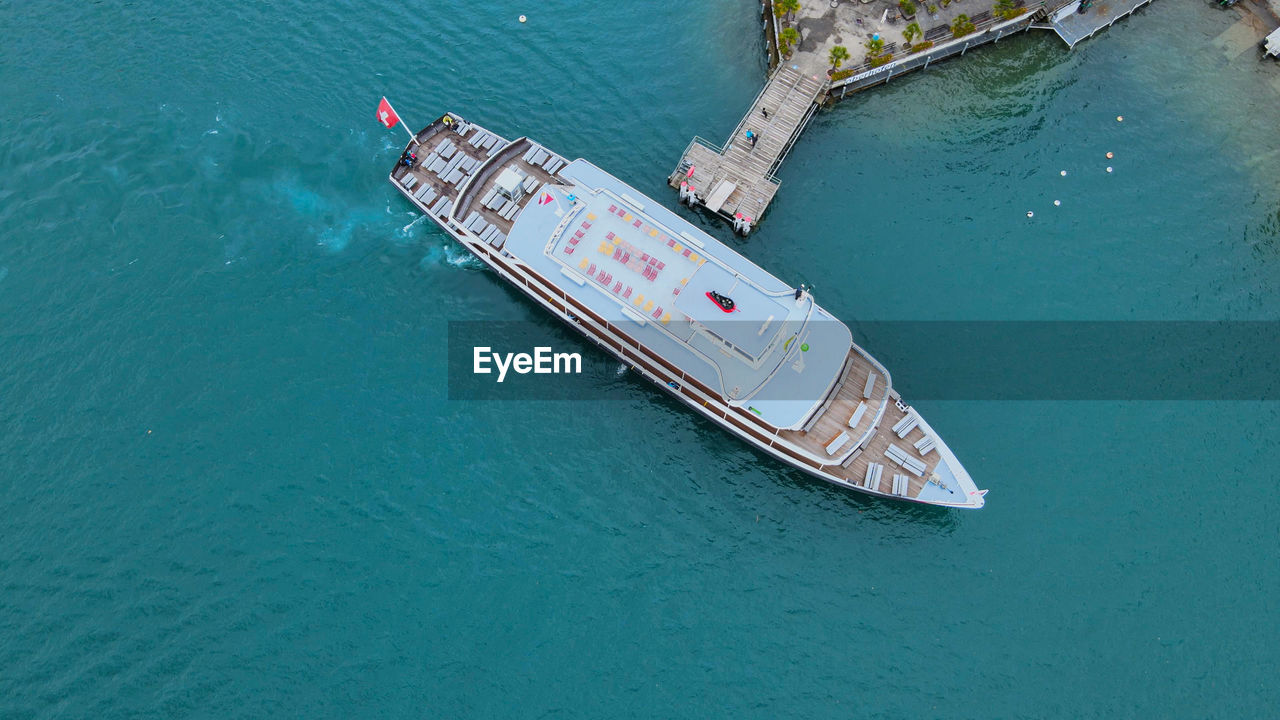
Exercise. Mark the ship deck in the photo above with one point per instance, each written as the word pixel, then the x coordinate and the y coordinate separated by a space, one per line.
pixel 882 412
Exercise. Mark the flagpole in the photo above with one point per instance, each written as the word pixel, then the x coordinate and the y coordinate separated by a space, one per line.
pixel 412 137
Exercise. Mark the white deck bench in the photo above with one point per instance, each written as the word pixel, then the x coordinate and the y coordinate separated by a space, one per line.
pixel 910 464
pixel 901 485
pixel 925 445
pixel 840 441
pixel 857 415
pixel 906 424
pixel 870 386
pixel 871 480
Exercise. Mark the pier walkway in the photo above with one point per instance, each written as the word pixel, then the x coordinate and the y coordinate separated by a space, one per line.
pixel 1073 26
pixel 736 181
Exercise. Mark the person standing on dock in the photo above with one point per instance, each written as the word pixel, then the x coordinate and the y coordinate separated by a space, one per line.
pixel 765 112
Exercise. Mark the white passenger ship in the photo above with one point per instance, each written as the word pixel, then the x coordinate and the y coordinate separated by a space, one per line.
pixel 753 354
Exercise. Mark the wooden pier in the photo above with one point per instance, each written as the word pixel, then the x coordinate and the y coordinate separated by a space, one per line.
pixel 737 180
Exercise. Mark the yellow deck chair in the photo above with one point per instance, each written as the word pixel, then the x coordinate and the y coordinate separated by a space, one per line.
pixel 605 248
pixel 653 233
pixel 648 306
pixel 678 248
pixel 666 318
pixel 628 217
pixel 639 299
pixel 693 257
pixel 591 216
pixel 583 264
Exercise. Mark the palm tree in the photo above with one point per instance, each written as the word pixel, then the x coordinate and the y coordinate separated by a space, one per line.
pixel 911 32
pixel 962 26
pixel 784 8
pixel 875 45
pixel 838 55
pixel 788 37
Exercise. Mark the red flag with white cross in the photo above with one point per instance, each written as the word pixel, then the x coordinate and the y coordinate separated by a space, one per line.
pixel 386 114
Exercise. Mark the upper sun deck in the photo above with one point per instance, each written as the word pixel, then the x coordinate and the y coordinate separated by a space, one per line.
pixel 777 353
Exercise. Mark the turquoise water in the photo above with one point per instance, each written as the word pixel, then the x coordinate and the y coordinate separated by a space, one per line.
pixel 232 484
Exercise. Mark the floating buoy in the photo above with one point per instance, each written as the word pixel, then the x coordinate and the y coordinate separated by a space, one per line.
pixel 1110 155
pixel 1063 173
pixel 1056 203
pixel 1119 118
pixel 1030 214
pixel 1108 168
pixel 523 18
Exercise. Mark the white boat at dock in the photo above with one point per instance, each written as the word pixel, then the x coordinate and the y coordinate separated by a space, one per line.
pixel 757 356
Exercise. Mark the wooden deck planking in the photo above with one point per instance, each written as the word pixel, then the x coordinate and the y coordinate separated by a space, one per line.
pixel 507 157
pixel 789 98
pixel 874 452
pixel 835 418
